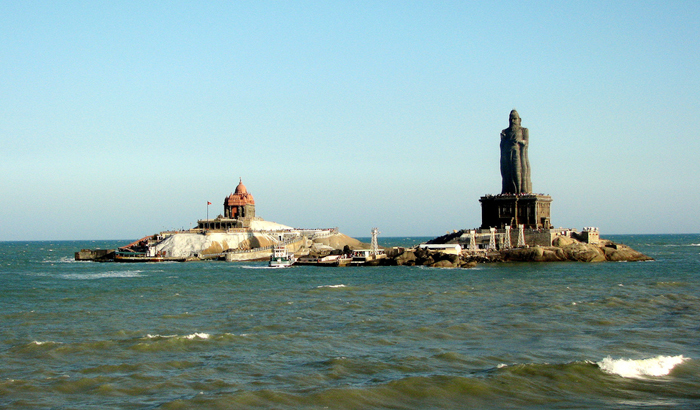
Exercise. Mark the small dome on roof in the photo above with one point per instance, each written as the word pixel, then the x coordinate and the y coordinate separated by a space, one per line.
pixel 241 189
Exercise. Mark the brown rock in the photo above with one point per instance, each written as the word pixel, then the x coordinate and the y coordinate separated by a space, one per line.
pixel 562 241
pixel 339 241
pixel 444 263
pixel 583 253
pixel 406 258
pixel 619 253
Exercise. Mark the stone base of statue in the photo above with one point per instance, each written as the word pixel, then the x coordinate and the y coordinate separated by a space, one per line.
pixel 531 210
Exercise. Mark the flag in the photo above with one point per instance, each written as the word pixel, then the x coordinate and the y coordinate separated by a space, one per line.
pixel 208 203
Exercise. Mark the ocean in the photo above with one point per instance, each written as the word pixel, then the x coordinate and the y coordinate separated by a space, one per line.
pixel 217 335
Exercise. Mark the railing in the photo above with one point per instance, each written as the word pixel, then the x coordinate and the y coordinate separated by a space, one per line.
pixel 318 233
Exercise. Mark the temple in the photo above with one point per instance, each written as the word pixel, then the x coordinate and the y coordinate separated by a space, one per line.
pixel 239 211
pixel 516 204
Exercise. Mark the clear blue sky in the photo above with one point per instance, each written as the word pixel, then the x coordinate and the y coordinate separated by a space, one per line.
pixel 119 119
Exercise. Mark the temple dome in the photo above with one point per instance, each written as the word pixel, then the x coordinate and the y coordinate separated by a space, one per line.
pixel 241 189
pixel 240 197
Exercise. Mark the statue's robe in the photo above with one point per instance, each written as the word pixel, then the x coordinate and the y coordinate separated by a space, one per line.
pixel 515 165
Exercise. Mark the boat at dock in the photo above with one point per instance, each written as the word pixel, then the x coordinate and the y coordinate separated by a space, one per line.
pixel 371 256
pixel 281 258
pixel 328 260
pixel 367 257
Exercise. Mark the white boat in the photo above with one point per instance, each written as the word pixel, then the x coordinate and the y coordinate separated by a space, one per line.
pixel 281 258
pixel 367 257
pixel 329 260
pixel 371 256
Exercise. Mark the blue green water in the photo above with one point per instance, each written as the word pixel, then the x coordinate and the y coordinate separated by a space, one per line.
pixel 217 335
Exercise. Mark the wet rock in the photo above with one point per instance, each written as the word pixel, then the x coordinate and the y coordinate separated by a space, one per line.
pixel 620 253
pixel 444 263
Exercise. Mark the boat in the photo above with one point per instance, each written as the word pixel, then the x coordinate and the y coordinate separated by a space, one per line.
pixel 371 256
pixel 281 258
pixel 329 260
pixel 367 257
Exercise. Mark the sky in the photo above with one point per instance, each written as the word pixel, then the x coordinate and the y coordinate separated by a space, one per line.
pixel 120 119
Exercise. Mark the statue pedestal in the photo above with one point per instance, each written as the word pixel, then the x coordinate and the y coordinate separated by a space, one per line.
pixel 530 210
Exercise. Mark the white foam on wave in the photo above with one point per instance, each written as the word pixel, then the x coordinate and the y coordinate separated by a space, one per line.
pixel 189 337
pixel 674 245
pixel 198 336
pixel 331 286
pixel 38 343
pixel 639 369
pixel 64 259
pixel 150 336
pixel 103 275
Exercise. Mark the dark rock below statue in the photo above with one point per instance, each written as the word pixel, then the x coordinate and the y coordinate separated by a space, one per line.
pixel 571 250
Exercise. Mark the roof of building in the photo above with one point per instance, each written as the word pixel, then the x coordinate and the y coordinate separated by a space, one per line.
pixel 241 189
pixel 240 197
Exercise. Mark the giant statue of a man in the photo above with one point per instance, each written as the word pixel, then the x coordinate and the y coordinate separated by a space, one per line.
pixel 515 166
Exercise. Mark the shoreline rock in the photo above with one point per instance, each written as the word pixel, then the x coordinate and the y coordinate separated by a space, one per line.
pixel 564 249
pixel 575 251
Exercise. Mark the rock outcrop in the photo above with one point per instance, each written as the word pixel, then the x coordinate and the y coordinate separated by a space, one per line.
pixel 188 244
pixel 339 241
pixel 422 257
pixel 568 249
pixel 563 248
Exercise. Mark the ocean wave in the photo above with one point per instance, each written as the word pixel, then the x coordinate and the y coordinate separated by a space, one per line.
pixel 642 368
pixel 47 343
pixel 103 275
pixel 196 335
pixel 675 245
pixel 331 286
pixel 165 343
pixel 64 259
pixel 150 336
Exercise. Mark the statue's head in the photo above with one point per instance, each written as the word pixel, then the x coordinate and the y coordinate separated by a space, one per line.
pixel 514 119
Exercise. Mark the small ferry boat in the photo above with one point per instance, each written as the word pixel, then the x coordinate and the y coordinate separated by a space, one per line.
pixel 371 256
pixel 329 260
pixel 281 258
pixel 367 257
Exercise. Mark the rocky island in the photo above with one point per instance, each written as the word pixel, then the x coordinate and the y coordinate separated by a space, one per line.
pixel 234 236
pixel 517 209
pixel 516 227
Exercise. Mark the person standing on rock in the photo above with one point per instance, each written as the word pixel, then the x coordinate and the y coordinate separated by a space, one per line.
pixel 515 165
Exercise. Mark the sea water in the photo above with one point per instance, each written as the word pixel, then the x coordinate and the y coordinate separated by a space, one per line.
pixel 217 335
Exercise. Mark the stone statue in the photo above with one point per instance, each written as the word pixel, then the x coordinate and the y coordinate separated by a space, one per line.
pixel 515 166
